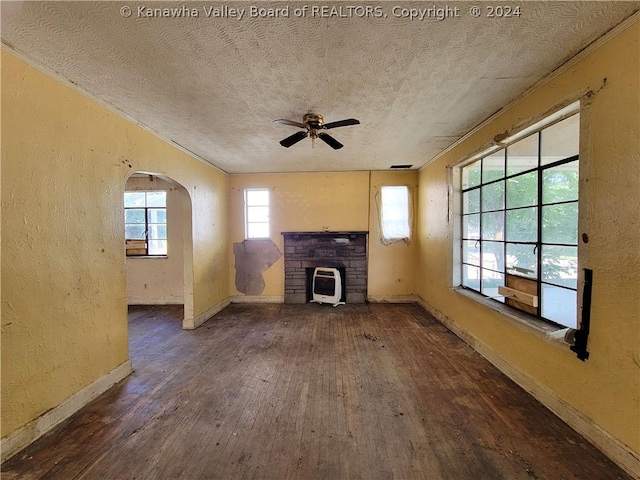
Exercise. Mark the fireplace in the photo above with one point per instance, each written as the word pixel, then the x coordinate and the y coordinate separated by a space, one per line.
pixel 345 251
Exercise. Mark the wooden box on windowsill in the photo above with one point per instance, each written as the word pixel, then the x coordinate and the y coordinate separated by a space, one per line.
pixel 136 247
pixel 521 293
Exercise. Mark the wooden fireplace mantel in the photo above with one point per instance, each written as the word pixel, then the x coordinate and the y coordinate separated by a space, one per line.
pixel 324 233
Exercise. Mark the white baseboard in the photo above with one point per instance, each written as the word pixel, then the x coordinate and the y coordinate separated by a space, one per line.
pixel 155 301
pixel 24 436
pixel 257 299
pixel 203 317
pixel 393 298
pixel 617 451
pixel 190 324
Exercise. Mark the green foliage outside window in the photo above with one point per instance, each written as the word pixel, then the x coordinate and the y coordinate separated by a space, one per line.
pixel 520 215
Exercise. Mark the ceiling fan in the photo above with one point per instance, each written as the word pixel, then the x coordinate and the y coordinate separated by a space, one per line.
pixel 314 125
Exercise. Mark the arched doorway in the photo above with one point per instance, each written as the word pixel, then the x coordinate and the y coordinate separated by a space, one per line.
pixel 159 242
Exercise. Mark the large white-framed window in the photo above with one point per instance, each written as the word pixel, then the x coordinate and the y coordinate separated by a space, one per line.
pixel 519 221
pixel 145 223
pixel 395 213
pixel 256 213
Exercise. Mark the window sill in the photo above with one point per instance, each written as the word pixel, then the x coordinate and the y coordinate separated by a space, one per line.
pixel 395 241
pixel 540 328
pixel 148 256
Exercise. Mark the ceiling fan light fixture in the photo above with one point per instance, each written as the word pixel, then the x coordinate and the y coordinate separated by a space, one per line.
pixel 314 127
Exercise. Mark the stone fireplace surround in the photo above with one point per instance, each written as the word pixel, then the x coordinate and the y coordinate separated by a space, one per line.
pixel 346 251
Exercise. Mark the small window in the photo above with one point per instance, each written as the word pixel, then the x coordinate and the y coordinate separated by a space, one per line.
pixel 519 223
pixel 256 213
pixel 395 214
pixel 145 223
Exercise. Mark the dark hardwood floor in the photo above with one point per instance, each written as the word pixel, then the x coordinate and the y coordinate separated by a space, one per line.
pixel 309 392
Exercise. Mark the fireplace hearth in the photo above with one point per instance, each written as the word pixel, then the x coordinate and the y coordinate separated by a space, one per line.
pixel 346 251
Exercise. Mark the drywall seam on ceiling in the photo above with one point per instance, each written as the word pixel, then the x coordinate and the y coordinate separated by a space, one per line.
pixel 586 51
pixel 68 83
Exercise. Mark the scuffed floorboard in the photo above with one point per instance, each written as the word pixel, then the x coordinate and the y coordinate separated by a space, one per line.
pixel 309 392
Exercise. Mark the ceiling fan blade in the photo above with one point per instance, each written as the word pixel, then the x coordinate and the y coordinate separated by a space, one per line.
pixel 293 139
pixel 290 122
pixel 342 123
pixel 329 140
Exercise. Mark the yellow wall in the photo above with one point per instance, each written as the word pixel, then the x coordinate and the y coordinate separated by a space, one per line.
pixel 310 201
pixel 65 160
pixel 391 267
pixel 300 202
pixel 606 387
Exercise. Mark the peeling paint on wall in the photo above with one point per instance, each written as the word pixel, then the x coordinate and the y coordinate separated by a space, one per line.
pixel 253 257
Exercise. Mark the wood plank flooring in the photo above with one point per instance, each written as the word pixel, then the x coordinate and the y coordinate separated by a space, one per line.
pixel 309 392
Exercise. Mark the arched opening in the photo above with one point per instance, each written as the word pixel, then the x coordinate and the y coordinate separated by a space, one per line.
pixel 158 243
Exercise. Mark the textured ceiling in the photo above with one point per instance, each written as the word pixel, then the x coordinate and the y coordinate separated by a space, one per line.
pixel 213 85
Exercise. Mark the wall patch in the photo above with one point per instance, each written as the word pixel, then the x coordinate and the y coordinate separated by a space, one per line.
pixel 253 258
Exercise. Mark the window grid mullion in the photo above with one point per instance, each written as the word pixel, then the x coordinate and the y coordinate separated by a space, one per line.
pixel 557 163
pixel 564 202
pixel 496 271
pixel 146 226
pixel 480 236
pixel 504 220
pixel 551 244
pixel 558 286
pixel 539 242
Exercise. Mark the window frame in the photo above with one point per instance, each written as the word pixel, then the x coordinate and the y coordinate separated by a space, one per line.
pixel 457 204
pixel 147 225
pixel 247 208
